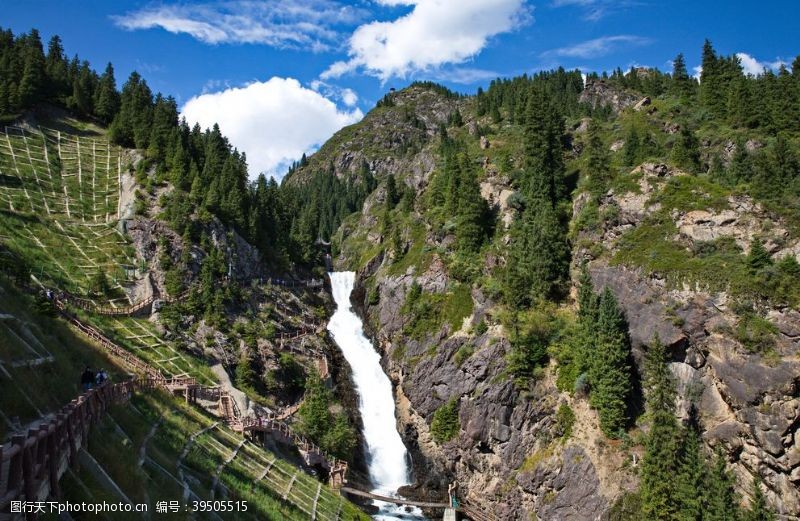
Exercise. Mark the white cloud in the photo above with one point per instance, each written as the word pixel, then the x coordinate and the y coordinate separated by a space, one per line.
pixel 596 47
pixel 274 122
pixel 753 67
pixel 594 10
pixel 307 24
pixel 343 94
pixel 434 33
pixel 349 97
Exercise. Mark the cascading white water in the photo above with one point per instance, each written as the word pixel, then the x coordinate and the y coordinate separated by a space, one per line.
pixel 388 457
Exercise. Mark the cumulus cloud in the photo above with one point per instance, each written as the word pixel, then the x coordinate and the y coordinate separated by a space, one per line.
pixel 753 67
pixel 307 24
pixel 274 122
pixel 596 47
pixel 434 33
pixel 335 92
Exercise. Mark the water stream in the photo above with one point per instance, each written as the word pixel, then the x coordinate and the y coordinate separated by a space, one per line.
pixel 387 456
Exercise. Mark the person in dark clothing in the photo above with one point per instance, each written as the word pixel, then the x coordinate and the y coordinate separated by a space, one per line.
pixel 100 377
pixel 87 378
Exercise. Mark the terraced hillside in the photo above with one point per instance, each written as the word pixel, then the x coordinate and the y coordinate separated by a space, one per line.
pixel 60 204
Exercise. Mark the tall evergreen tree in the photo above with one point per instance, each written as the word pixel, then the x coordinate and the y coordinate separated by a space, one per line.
pixel 471 223
pixel 538 261
pixel 691 475
pixel 758 510
pixel 544 162
pixel 56 69
pixel 682 85
pixel 587 319
pixel 598 163
pixel 609 374
pixel 107 101
pixel 661 464
pixel 686 151
pixel 131 125
pixel 711 93
pixel 32 84
pixel 632 150
pixel 720 498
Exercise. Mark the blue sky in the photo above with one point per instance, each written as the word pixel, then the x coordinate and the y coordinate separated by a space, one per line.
pixel 282 75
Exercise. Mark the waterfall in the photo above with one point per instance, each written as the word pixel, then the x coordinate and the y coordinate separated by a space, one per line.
pixel 388 457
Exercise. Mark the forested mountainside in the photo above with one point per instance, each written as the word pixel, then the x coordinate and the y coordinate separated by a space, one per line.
pixel 586 289
pixel 132 243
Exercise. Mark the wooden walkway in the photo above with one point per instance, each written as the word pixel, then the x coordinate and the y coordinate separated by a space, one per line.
pixel 395 500
pixel 32 463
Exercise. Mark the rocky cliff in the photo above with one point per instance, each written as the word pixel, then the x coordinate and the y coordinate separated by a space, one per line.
pixel 513 450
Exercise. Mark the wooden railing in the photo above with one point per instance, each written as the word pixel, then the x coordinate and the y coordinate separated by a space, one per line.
pixel 133 309
pixel 311 283
pixel 32 463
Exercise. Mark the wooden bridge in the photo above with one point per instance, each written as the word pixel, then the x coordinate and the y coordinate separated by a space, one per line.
pixel 470 510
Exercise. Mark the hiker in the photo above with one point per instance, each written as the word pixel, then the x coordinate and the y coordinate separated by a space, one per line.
pixel 100 377
pixel 451 492
pixel 87 378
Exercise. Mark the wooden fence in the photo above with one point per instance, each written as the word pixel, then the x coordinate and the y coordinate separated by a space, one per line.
pixel 32 463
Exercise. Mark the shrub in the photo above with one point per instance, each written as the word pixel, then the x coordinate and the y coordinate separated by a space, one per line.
pixel 756 334
pixel 445 424
pixel 464 353
pixel 565 419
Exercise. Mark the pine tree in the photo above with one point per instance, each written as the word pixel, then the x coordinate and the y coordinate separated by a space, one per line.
pixel 758 506
pixel 740 108
pixel 711 93
pixel 609 373
pixel 686 151
pixel 471 223
pixel 721 501
pixel 391 191
pixel 598 166
pixel 682 84
pixel 691 476
pixel 132 124
pixel 56 69
pixel 107 100
pixel 544 163
pixel 32 84
pixel 587 319
pixel 758 258
pixel 632 150
pixel 661 464
pixel 538 261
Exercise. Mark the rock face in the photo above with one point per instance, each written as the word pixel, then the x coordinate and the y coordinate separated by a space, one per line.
pixel 577 482
pixel 600 93
pixel 748 403
pixel 508 452
pixel 388 141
